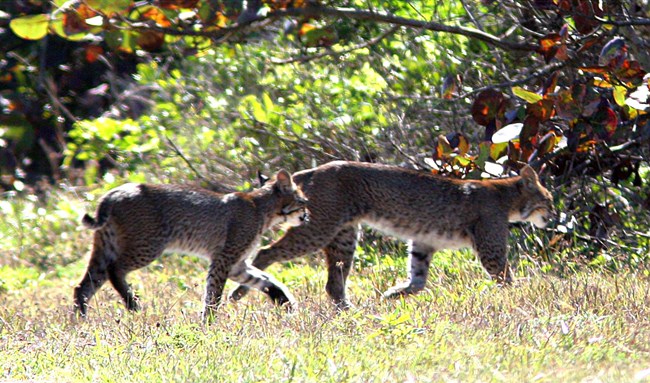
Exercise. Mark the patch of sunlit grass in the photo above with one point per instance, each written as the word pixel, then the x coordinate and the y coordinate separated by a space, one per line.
pixel 590 326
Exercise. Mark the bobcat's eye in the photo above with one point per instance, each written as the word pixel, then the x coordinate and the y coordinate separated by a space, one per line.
pixel 301 200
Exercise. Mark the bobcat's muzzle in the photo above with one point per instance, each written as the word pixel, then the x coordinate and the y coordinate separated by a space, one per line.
pixel 289 210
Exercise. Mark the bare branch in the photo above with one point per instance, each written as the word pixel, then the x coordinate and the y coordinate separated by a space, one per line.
pixel 624 23
pixel 368 43
pixel 349 13
pixel 216 187
pixel 382 17
pixel 543 72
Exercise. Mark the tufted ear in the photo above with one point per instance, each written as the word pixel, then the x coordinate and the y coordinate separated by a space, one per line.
pixel 283 181
pixel 528 177
pixel 261 178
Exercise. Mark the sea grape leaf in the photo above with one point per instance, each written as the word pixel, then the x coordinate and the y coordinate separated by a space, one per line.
pixel 548 46
pixel 449 87
pixel 507 133
pixel 458 141
pixel 31 27
pixel 613 51
pixel 604 121
pixel 488 106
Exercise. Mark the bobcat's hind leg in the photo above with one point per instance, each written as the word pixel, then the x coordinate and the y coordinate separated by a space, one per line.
pixel 118 279
pixel 339 254
pixel 297 241
pixel 96 274
pixel 133 255
pixel 418 269
pixel 250 276
pixel 93 279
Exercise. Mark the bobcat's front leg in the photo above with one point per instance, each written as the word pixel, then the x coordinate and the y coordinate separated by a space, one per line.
pixel 418 270
pixel 491 244
pixel 250 276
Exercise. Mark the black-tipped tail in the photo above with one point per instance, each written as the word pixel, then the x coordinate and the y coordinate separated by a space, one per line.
pixel 103 212
pixel 90 222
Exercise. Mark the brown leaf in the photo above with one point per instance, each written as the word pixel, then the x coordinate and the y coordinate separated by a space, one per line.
pixel 489 105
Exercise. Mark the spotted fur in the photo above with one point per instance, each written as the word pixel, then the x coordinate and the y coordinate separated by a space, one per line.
pixel 431 212
pixel 136 223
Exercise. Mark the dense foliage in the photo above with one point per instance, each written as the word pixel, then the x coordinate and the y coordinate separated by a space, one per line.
pixel 94 93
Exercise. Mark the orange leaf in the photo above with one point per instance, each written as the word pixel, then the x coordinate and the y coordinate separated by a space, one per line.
pixel 304 28
pixel 93 52
pixel 155 14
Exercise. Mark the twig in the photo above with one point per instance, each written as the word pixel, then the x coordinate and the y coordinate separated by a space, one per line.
pixel 295 143
pixel 217 187
pixel 179 153
pixel 48 85
pixel 624 23
pixel 508 84
pixel 371 42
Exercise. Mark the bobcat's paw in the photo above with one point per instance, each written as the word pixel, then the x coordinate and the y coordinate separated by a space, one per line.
pixel 401 290
pixel 291 307
pixel 343 305
pixel 238 293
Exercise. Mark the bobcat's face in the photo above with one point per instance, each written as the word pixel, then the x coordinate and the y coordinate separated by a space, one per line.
pixel 539 212
pixel 294 212
pixel 536 203
pixel 292 203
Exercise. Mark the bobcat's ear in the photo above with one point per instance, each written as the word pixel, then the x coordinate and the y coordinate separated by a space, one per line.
pixel 528 177
pixel 283 181
pixel 261 178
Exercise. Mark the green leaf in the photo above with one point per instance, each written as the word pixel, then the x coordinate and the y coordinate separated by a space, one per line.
pixel 57 27
pixel 90 173
pixel 462 160
pixel 122 40
pixel 32 27
pixel 619 95
pixel 268 103
pixel 483 154
pixel 528 96
pixel 498 150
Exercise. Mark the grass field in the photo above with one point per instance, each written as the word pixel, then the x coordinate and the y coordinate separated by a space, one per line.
pixel 585 327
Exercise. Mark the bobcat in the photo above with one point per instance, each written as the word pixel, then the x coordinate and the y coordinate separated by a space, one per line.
pixel 136 223
pixel 430 211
